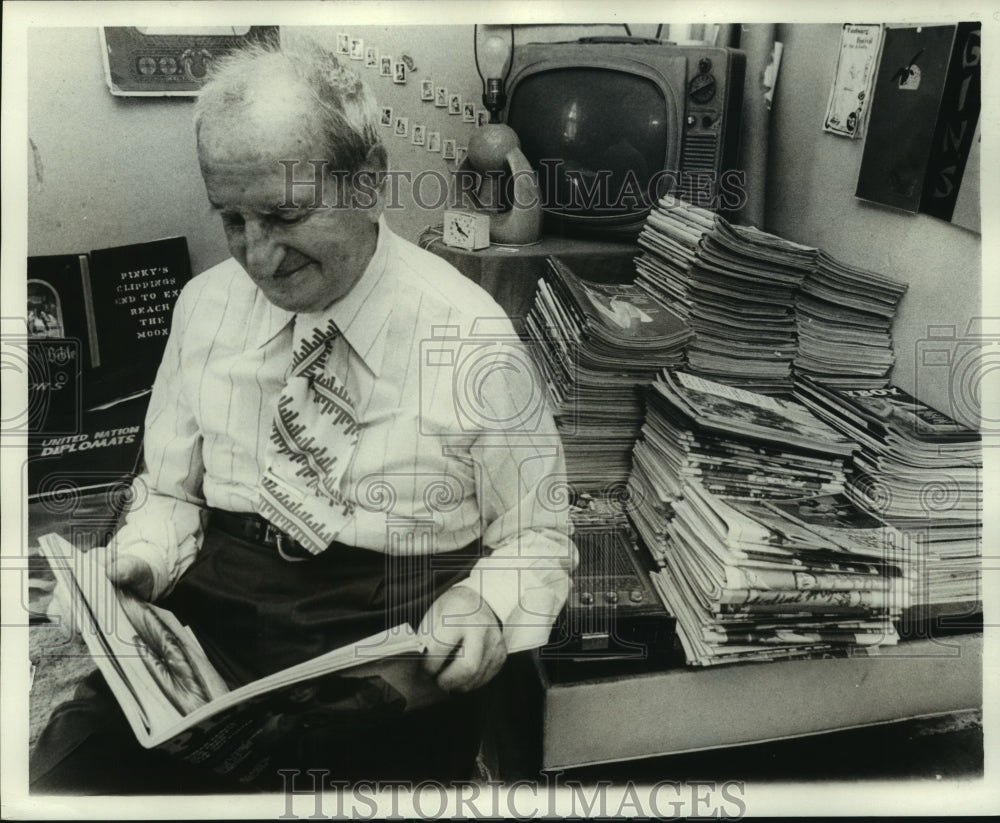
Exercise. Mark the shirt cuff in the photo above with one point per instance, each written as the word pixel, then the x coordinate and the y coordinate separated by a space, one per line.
pixel 156 543
pixel 525 606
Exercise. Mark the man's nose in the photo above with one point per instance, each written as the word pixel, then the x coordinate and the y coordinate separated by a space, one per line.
pixel 263 253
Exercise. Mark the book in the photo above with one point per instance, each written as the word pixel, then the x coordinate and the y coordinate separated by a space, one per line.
pixel 97 327
pixel 176 701
pixel 133 291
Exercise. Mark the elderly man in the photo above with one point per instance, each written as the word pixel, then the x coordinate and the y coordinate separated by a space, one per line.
pixel 344 434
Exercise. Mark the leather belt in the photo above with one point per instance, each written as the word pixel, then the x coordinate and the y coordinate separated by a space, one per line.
pixel 257 529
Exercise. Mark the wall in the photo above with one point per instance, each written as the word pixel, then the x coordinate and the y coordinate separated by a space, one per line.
pixel 106 170
pixel 110 170
pixel 810 198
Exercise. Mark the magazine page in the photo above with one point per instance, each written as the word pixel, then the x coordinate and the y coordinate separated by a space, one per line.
pixel 162 678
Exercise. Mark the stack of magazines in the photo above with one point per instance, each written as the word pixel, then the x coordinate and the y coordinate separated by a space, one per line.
pixel 920 470
pixel 735 285
pixel 733 443
pixel 844 318
pixel 595 343
pixel 772 579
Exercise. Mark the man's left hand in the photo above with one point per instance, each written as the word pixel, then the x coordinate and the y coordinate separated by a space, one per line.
pixel 465 646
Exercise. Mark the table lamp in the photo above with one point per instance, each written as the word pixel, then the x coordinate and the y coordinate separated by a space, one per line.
pixel 507 187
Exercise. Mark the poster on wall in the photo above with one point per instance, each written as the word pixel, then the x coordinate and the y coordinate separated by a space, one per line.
pixel 156 61
pixel 956 132
pixel 908 93
pixel 851 92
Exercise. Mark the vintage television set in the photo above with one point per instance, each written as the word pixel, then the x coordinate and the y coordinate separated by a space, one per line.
pixel 613 124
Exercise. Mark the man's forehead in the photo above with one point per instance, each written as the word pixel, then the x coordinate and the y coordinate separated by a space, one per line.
pixel 241 141
pixel 274 122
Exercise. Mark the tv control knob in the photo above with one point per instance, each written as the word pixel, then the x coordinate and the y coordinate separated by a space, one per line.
pixel 702 88
pixel 635 596
pixel 587 599
pixel 704 65
pixel 611 597
pixel 691 119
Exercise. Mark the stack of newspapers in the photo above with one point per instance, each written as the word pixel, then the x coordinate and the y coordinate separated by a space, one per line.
pixel 595 343
pixel 740 497
pixel 732 442
pixel 920 470
pixel 769 579
pixel 735 285
pixel 844 318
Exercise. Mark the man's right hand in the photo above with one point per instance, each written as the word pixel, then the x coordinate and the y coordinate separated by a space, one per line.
pixel 132 573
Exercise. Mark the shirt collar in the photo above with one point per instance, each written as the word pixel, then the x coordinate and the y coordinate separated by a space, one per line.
pixel 362 315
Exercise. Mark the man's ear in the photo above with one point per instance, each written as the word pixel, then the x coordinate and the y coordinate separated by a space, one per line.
pixel 372 182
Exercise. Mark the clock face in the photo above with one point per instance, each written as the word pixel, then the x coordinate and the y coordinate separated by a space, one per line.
pixel 460 229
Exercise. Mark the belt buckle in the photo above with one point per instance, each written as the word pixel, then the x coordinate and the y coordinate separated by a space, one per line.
pixel 280 538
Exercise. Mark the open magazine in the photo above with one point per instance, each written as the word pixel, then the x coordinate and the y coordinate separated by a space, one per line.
pixel 175 700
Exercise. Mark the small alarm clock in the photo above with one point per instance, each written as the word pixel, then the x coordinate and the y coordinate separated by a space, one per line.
pixel 466 230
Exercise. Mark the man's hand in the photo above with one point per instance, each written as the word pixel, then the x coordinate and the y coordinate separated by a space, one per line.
pixel 465 646
pixel 131 573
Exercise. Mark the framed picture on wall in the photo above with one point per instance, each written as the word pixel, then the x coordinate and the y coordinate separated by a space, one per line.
pixel 155 61
pixel 371 57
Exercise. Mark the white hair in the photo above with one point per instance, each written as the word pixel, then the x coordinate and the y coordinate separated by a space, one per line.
pixel 337 106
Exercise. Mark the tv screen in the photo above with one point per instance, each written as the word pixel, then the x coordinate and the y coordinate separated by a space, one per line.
pixel 612 124
pixel 595 135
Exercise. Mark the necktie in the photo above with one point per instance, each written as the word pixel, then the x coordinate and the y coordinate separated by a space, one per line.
pixel 312 440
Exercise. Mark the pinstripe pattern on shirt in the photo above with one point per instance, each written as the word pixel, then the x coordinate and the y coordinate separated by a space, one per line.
pixel 431 364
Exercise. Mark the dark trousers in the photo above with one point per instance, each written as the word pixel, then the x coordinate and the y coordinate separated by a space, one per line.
pixel 256 613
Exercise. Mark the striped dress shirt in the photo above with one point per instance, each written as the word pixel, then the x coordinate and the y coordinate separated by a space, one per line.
pixel 456 442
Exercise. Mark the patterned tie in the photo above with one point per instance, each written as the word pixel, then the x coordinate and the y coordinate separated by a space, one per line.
pixel 313 438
